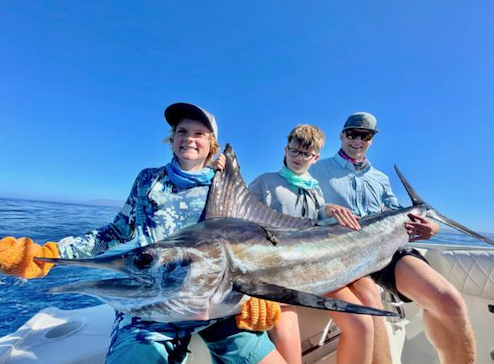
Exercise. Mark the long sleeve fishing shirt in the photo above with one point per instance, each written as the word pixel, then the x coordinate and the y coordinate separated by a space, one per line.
pixel 275 191
pixel 154 209
pixel 364 192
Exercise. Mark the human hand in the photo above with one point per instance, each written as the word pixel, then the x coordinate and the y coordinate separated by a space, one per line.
pixel 343 216
pixel 420 228
pixel 17 257
pixel 258 315
pixel 220 163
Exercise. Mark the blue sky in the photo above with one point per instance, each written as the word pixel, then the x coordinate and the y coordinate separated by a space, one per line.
pixel 84 84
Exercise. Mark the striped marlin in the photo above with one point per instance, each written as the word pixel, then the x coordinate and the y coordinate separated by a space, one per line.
pixel 243 248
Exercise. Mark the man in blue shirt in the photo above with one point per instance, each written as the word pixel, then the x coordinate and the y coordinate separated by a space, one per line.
pixel 349 180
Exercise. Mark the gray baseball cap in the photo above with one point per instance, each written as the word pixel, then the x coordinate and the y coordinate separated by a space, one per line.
pixel 182 110
pixel 361 120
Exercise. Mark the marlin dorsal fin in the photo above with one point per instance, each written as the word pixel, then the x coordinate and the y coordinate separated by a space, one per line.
pixel 229 197
pixel 416 200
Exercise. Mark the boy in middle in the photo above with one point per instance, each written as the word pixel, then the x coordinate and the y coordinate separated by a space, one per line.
pixel 293 191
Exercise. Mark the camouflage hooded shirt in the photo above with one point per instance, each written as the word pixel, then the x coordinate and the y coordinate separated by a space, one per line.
pixel 154 209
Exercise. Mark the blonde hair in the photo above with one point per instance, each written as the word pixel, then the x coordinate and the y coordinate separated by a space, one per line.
pixel 307 136
pixel 214 147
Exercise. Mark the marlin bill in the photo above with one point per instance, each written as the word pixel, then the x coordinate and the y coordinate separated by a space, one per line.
pixel 243 248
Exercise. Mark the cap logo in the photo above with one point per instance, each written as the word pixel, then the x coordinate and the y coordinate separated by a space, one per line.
pixel 362 123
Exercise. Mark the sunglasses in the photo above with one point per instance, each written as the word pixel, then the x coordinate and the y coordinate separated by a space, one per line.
pixel 293 152
pixel 364 135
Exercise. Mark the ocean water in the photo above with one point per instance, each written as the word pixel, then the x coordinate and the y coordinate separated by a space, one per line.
pixel 46 221
pixel 50 221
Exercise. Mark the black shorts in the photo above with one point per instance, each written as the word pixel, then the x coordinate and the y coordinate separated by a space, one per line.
pixel 386 276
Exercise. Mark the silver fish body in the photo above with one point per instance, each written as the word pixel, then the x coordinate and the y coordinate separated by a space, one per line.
pixel 323 258
pixel 242 249
pixel 192 274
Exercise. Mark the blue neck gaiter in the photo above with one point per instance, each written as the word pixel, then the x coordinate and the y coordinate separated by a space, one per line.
pixel 305 181
pixel 186 179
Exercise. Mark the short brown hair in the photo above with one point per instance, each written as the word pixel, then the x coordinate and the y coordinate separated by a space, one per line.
pixel 214 147
pixel 307 136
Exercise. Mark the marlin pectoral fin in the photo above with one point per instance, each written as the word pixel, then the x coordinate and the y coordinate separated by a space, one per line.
pixel 280 294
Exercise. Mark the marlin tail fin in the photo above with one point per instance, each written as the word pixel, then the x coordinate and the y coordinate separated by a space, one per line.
pixel 416 200
pixel 457 226
pixel 431 212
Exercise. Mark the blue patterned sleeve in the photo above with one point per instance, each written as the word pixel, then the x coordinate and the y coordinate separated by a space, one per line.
pixel 120 231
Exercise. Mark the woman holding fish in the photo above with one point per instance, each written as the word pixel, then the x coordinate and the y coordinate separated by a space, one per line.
pixel 162 201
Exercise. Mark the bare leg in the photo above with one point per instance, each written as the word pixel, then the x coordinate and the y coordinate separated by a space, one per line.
pixel 273 357
pixel 366 291
pixel 286 336
pixel 445 314
pixel 357 332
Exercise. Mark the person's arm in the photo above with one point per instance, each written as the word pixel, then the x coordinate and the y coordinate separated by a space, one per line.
pixel 95 242
pixel 389 200
pixel 17 255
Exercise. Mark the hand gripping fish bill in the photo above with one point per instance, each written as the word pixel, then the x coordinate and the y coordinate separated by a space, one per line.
pixel 243 248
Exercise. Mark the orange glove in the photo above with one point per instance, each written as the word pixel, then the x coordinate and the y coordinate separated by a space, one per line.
pixel 258 315
pixel 16 257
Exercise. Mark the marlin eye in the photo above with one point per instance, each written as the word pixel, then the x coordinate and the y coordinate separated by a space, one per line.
pixel 143 261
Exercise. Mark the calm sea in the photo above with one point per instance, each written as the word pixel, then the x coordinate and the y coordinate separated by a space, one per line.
pixel 49 221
